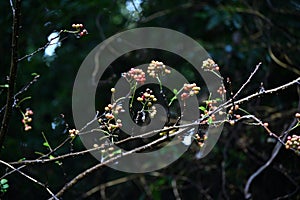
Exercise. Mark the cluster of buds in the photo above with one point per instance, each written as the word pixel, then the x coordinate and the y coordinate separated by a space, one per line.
pixel 293 142
pixel 189 90
pixel 73 133
pixel 209 65
pixel 135 75
pixel 147 98
pixel 232 115
pixel 80 30
pixel 221 90
pixel 233 108
pixel 27 119
pixel 156 69
pixel 152 112
pixel 108 152
pixel 108 120
pixel 200 139
pixel 113 126
pixel 113 109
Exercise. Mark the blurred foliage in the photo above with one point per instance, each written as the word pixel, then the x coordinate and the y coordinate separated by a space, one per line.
pixel 237 33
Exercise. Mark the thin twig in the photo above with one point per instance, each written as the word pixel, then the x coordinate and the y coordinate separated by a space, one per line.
pixel 92 169
pixel 175 190
pixel 275 151
pixel 12 73
pixel 24 89
pixel 248 80
pixel 108 184
pixel 12 7
pixel 257 94
pixel 43 47
pixel 30 178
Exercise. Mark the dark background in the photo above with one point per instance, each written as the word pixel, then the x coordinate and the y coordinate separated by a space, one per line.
pixel 238 34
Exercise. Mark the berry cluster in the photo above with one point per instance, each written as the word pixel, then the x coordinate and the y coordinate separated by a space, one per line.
pixel 293 142
pixel 147 99
pixel 27 119
pixel 156 69
pixel 233 108
pixel 221 90
pixel 80 30
pixel 200 139
pixel 135 75
pixel 210 65
pixel 108 121
pixel 189 90
pixel 73 133
pixel 107 151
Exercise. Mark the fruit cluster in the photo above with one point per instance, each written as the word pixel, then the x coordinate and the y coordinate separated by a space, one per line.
pixel 135 75
pixel 80 30
pixel 73 133
pixel 147 99
pixel 210 65
pixel 108 120
pixel 293 142
pixel 156 69
pixel 27 119
pixel 221 90
pixel 200 139
pixel 189 90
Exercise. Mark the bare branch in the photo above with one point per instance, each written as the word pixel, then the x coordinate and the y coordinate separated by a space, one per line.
pixel 275 151
pixel 175 190
pixel 248 80
pixel 12 73
pixel 12 7
pixel 124 154
pixel 30 178
pixel 24 89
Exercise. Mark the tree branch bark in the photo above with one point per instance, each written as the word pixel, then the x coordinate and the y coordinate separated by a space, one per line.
pixel 13 71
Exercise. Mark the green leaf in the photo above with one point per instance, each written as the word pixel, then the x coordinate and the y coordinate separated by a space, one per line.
pixel 46 144
pixel 175 91
pixel 21 159
pixel 117 152
pixel 39 153
pixel 57 162
pixel 3 181
pixel 5 186
pixel 34 74
pixel 202 108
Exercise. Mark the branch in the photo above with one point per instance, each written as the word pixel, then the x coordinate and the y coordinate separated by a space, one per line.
pixel 124 154
pixel 24 89
pixel 12 73
pixel 248 80
pixel 275 152
pixel 257 94
pixel 43 47
pixel 109 184
pixel 12 7
pixel 30 178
